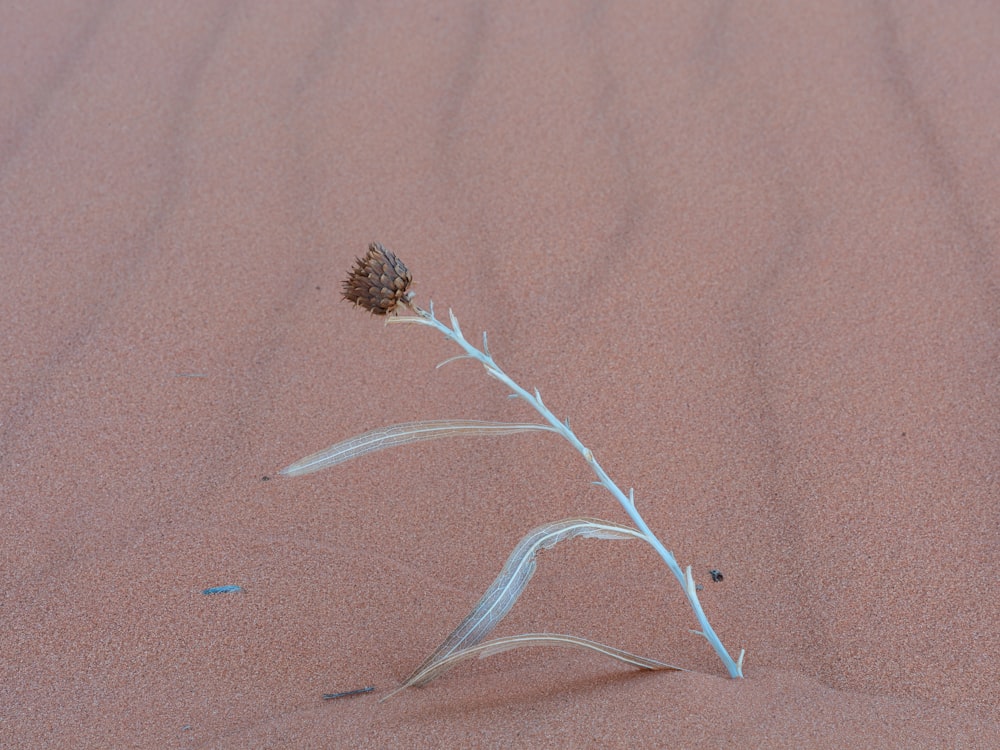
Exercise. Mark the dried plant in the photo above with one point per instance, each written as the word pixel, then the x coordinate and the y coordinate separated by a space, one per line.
pixel 380 283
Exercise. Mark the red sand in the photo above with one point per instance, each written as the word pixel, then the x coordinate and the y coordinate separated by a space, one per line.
pixel 750 250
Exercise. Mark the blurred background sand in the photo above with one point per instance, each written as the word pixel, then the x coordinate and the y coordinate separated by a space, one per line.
pixel 750 250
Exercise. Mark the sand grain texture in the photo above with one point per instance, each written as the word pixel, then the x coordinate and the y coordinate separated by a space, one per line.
pixel 751 250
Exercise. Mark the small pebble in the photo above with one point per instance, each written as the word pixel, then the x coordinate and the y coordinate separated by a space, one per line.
pixel 222 590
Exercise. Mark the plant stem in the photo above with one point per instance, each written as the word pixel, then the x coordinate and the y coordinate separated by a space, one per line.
pixel 684 577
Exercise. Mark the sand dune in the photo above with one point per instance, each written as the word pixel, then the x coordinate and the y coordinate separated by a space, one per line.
pixel 751 251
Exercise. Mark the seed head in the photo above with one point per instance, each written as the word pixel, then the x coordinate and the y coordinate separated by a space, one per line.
pixel 379 282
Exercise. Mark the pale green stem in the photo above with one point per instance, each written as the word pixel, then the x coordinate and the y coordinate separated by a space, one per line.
pixel 454 333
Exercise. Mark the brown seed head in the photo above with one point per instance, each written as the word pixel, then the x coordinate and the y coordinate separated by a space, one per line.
pixel 379 282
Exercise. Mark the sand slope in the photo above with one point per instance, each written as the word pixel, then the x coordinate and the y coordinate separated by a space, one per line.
pixel 751 251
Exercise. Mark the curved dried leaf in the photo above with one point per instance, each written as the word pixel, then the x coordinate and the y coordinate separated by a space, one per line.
pixel 507 587
pixel 500 645
pixel 401 434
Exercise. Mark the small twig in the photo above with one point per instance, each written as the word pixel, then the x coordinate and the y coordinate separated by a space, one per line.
pixel 346 693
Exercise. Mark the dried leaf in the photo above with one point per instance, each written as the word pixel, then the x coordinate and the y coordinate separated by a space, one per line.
pixel 500 645
pixel 507 587
pixel 401 434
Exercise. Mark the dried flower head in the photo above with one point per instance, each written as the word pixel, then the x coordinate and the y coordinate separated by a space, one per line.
pixel 379 282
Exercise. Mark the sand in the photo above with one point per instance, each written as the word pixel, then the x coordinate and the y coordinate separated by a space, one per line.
pixel 750 251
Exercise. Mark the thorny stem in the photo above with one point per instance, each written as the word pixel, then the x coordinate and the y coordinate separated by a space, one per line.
pixel 684 577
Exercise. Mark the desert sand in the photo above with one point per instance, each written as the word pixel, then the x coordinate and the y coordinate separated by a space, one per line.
pixel 751 251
